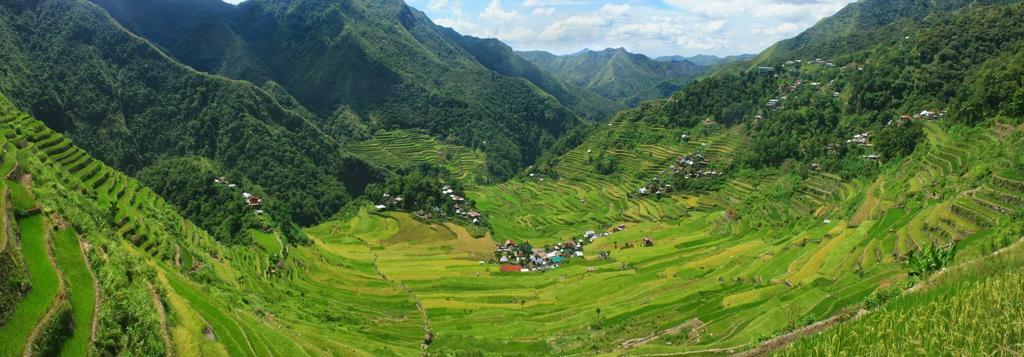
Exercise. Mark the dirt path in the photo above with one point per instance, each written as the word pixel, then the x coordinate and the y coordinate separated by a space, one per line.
pixel 637 342
pixel 162 314
pixel 97 296
pixel 408 292
pixel 782 341
pixel 61 293
pixel 788 338
pixel 723 350
pixel 3 235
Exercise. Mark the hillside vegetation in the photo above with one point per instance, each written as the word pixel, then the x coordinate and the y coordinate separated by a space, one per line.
pixel 618 75
pixel 360 66
pixel 118 96
pixel 869 196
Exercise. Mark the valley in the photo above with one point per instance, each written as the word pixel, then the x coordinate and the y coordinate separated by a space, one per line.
pixel 782 204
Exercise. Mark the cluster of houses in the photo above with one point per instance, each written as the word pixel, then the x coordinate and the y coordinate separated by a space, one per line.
pixel 387 200
pixel 862 139
pixel 690 166
pixel 252 200
pixel 525 258
pixel 460 207
pixel 924 114
pixel 817 61
pixel 655 187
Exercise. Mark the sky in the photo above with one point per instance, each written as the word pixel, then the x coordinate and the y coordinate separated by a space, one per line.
pixel 651 27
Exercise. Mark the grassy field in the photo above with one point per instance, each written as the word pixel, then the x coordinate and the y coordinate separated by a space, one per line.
pixel 972 310
pixel 81 289
pixel 407 148
pixel 15 333
pixel 763 254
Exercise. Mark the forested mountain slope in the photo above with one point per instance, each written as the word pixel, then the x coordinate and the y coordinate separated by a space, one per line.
pixel 363 65
pixel 123 99
pixel 618 75
pixel 864 24
pixel 957 64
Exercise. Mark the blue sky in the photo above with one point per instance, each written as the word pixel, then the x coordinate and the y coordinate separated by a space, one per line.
pixel 652 27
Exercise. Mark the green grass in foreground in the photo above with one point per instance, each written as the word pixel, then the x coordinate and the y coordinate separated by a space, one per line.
pixel 20 196
pixel 268 241
pixel 82 292
pixel 14 334
pixel 974 310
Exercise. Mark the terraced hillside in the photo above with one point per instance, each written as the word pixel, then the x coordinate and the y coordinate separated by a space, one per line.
pixel 76 231
pixel 771 266
pixel 402 149
pixel 982 296
pixel 761 254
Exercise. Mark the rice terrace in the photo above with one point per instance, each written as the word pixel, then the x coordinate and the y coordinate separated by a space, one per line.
pixel 357 178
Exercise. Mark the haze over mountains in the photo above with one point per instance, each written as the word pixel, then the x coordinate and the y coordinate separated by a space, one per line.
pixel 618 75
pixel 345 177
pixel 707 60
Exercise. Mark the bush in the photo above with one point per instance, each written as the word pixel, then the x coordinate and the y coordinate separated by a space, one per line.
pixel 930 259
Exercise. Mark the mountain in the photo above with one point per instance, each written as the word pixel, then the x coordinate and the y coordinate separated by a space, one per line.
pixel 956 61
pixel 618 75
pixel 361 65
pixel 707 60
pixel 120 97
pixel 863 24
pixel 792 208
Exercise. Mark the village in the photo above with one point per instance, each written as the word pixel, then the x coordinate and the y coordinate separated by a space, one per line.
pixel 862 139
pixel 525 258
pixel 253 201
pixel 692 166
pixel 455 205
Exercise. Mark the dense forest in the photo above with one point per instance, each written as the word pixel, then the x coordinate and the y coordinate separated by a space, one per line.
pixel 116 95
pixel 206 194
pixel 360 66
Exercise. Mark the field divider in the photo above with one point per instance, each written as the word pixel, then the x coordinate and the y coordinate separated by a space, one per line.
pixel 61 292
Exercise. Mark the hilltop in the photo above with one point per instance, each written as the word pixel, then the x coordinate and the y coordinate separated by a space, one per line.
pixel 707 60
pixel 618 75
pixel 361 66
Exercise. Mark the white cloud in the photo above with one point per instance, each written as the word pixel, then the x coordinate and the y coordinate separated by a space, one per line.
pixel 715 25
pixel 653 27
pixel 776 9
pixel 543 3
pixel 615 10
pixel 543 11
pixel 494 12
pixel 437 5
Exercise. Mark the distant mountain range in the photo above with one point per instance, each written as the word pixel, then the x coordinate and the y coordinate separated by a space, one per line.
pixel 617 74
pixel 707 60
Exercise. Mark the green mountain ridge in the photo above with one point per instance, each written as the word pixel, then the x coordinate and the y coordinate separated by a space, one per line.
pixel 617 74
pixel 380 64
pixel 120 97
pixel 863 24
pixel 707 60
